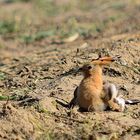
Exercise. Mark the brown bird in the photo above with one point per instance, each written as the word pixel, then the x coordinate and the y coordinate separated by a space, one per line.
pixel 93 94
pixel 89 95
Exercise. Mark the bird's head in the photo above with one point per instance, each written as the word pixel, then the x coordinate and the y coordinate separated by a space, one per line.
pixel 89 68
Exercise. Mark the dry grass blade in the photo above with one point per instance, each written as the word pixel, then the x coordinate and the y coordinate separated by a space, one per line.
pixel 71 38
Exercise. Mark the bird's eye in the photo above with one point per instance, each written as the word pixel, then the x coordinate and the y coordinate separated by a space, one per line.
pixel 89 67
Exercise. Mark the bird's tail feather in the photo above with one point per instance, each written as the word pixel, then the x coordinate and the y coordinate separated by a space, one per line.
pixel 132 101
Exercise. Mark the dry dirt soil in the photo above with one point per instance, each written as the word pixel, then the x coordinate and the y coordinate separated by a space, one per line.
pixel 40 52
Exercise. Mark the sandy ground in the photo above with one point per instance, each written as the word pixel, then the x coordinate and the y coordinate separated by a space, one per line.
pixel 40 76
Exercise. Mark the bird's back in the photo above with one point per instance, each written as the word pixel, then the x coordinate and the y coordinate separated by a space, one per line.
pixel 89 95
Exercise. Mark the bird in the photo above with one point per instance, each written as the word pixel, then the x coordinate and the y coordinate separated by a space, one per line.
pixel 95 94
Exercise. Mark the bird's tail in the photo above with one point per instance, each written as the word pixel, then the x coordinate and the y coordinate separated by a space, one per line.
pixel 132 101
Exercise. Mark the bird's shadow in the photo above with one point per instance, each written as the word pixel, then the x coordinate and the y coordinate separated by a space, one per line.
pixel 66 105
